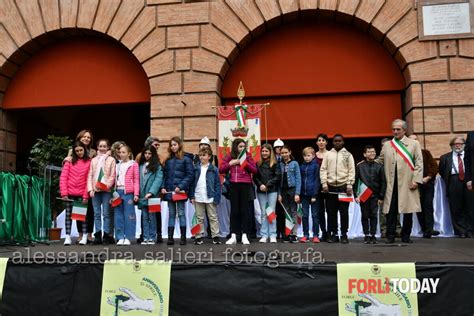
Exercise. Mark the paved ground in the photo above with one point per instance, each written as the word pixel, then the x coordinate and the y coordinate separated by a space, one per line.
pixel 437 250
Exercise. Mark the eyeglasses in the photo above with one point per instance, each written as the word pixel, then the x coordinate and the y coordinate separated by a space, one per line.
pixel 396 129
pixel 459 144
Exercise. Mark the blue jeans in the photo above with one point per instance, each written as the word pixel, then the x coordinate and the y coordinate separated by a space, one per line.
pixel 125 218
pixel 100 203
pixel 306 202
pixel 172 213
pixel 149 224
pixel 268 229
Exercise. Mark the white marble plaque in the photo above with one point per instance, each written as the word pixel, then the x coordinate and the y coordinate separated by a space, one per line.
pixel 446 19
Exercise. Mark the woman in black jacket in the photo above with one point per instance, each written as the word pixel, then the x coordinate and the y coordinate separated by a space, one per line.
pixel 178 177
pixel 267 179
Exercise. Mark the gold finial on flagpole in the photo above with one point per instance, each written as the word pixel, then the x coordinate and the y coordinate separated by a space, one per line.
pixel 241 92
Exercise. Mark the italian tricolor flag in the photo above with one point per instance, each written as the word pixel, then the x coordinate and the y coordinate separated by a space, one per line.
pixel 299 212
pixel 364 192
pixel 271 216
pixel 116 200
pixel 179 196
pixel 243 159
pixel 289 223
pixel 343 197
pixel 101 181
pixel 398 146
pixel 79 211
pixel 241 114
pixel 154 205
pixel 196 227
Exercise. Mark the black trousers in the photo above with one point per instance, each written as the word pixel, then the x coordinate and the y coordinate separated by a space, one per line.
pixel 239 206
pixel 323 198
pixel 369 210
pixel 393 213
pixel 333 206
pixel 426 217
pixel 461 204
pixel 89 219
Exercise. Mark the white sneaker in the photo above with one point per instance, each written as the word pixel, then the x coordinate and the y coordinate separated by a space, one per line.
pixel 151 242
pixel 83 240
pixel 245 240
pixel 126 242
pixel 120 242
pixel 144 242
pixel 263 240
pixel 273 240
pixel 232 240
pixel 67 240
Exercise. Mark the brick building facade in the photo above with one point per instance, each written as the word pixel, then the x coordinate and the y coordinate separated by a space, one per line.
pixel 187 47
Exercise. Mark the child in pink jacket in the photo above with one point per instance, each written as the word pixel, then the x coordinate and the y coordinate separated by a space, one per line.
pixel 128 188
pixel 73 186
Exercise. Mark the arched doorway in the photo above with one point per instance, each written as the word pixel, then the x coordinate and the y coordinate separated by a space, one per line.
pixel 79 82
pixel 320 76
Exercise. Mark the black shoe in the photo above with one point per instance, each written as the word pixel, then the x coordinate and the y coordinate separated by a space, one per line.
pixel 159 239
pixel 216 240
pixel 108 239
pixel 324 237
pixel 344 239
pixel 293 239
pixel 286 239
pixel 140 240
pixel 335 238
pixel 428 235
pixel 366 239
pixel 182 240
pixel 373 240
pixel 469 235
pixel 407 240
pixel 98 238
pixel 383 235
pixel 390 240
pixel 198 241
pixel 435 233
pixel 170 236
pixel 398 234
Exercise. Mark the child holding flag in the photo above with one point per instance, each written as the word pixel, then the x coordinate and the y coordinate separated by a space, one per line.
pixel 128 189
pixel 73 187
pixel 241 166
pixel 205 195
pixel 151 179
pixel 289 194
pixel 99 183
pixel 371 184
pixel 267 180
pixel 310 184
pixel 178 178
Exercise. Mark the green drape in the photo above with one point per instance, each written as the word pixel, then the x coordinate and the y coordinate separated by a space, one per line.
pixel 22 205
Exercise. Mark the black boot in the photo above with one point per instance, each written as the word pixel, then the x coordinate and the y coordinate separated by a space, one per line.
pixel 98 238
pixel 159 239
pixel 170 236
pixel 183 235
pixel 108 239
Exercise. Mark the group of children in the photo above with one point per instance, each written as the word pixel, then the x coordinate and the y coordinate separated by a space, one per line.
pixel 115 182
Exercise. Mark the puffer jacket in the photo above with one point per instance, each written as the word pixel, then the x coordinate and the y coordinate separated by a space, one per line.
pixel 73 180
pixel 372 174
pixel 268 176
pixel 132 178
pixel 178 173
pixel 310 182
pixel 109 173
pixel 238 174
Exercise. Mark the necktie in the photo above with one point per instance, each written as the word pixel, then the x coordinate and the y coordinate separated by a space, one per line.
pixel 460 168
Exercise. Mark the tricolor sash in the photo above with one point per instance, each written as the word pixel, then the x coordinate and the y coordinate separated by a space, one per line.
pixel 403 152
pixel 241 114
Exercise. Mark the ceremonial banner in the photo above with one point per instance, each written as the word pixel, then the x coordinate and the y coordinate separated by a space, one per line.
pixel 135 287
pixel 245 126
pixel 377 289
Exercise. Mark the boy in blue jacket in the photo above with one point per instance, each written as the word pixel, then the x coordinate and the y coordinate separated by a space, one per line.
pixel 310 184
pixel 206 195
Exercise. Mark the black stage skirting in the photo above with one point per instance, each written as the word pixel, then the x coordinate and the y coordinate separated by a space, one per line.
pixel 222 289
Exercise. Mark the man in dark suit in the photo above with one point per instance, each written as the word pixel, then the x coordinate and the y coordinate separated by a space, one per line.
pixel 469 159
pixel 452 168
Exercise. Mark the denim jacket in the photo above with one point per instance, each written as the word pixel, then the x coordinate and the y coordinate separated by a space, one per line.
pixel 213 183
pixel 294 176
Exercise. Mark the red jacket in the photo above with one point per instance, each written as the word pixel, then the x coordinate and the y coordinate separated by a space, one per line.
pixel 73 181
pixel 237 174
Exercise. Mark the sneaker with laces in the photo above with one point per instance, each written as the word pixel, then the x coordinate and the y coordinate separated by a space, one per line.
pixel 263 240
pixel 367 239
pixel 144 242
pixel 304 239
pixel 126 242
pixel 286 239
pixel 120 242
pixel 83 240
pixel 344 239
pixel 273 240
pixel 198 241
pixel 373 240
pixel 67 240
pixel 216 240
pixel 316 240
pixel 293 239
pixel 151 242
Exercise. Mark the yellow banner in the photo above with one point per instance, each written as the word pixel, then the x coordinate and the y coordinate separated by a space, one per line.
pixel 135 287
pixel 376 289
pixel 3 269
